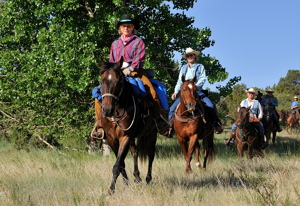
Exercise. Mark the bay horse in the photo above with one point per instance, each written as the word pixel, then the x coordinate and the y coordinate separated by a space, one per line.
pixel 189 124
pixel 269 124
pixel 247 138
pixel 125 119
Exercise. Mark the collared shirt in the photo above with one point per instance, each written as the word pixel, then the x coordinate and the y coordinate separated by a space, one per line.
pixel 295 103
pixel 196 69
pixel 266 99
pixel 255 108
pixel 133 51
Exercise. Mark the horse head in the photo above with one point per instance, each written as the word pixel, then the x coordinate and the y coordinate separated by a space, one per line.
pixel 267 113
pixel 188 93
pixel 112 84
pixel 243 117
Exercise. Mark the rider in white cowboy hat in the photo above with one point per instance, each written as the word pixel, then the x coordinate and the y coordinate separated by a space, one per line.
pixel 273 102
pixel 256 114
pixel 189 70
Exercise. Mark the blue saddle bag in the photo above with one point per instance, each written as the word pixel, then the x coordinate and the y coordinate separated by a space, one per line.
pixel 161 93
pixel 97 93
pixel 137 86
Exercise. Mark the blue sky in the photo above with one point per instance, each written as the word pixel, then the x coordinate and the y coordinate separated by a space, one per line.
pixel 255 39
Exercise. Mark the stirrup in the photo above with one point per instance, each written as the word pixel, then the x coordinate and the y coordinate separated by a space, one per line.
pixel 162 125
pixel 98 135
pixel 228 142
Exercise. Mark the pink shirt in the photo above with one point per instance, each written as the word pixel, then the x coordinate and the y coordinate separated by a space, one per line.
pixel 133 51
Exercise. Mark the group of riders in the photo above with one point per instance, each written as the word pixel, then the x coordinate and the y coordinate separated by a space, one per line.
pixel 131 49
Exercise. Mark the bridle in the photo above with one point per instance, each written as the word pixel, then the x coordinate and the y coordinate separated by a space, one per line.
pixel 113 118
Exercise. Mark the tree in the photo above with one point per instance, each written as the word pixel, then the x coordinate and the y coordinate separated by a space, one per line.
pixel 234 99
pixel 289 84
pixel 50 54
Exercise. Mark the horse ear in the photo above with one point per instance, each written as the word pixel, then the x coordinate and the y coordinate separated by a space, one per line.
pixel 120 63
pixel 183 78
pixel 195 78
pixel 248 108
pixel 102 62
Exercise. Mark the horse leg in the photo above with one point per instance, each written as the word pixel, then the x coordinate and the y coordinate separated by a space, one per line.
pixel 151 139
pixel 136 172
pixel 197 149
pixel 188 158
pixel 119 166
pixel 239 148
pixel 183 144
pixel 273 139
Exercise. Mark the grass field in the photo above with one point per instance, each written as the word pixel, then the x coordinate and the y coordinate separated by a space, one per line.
pixel 47 177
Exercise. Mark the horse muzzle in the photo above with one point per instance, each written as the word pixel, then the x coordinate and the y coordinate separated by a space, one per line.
pixel 107 110
pixel 191 106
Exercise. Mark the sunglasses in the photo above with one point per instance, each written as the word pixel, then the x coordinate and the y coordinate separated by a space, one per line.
pixel 191 55
pixel 250 93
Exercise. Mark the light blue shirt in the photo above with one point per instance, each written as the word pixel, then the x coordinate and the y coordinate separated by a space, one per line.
pixel 295 103
pixel 196 69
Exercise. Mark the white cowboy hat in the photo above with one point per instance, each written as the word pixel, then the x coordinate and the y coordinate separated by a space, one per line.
pixel 295 97
pixel 269 90
pixel 251 90
pixel 190 51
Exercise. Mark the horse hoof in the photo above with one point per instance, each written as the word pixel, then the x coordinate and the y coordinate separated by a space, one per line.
pixel 203 169
pixel 111 192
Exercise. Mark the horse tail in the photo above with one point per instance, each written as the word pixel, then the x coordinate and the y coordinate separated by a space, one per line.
pixel 208 145
pixel 142 148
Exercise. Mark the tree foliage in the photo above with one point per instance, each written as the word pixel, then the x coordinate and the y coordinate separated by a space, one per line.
pixel 289 84
pixel 50 53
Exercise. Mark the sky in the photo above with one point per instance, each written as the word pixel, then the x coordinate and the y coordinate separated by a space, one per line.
pixel 258 40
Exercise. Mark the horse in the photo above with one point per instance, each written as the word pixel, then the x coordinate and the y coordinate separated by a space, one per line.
pixel 190 126
pixel 124 120
pixel 247 137
pixel 269 124
pixel 291 120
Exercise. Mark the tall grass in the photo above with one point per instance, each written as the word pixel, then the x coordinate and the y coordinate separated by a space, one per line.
pixel 46 177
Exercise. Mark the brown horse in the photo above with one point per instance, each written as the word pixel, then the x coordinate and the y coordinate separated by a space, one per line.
pixel 190 127
pixel 247 138
pixel 269 124
pixel 125 119
pixel 291 120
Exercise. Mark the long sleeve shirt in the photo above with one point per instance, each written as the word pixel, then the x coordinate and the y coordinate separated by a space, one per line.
pixel 132 52
pixel 269 100
pixel 189 73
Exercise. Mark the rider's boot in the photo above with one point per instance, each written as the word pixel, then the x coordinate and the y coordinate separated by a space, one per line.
pixel 216 121
pixel 169 133
pixel 98 132
pixel 162 124
pixel 229 142
pixel 262 143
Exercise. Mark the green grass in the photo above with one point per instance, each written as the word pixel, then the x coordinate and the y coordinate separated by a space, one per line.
pixel 46 177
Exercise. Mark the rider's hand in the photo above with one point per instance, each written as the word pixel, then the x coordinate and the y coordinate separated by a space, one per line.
pixel 174 96
pixel 127 72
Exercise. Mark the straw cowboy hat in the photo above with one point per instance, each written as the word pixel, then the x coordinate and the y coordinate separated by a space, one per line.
pixel 127 19
pixel 295 97
pixel 190 51
pixel 252 91
pixel 269 90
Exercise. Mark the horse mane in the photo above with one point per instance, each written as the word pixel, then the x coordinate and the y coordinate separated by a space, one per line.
pixel 109 66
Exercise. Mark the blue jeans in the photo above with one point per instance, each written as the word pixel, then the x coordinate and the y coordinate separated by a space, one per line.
pixel 261 128
pixel 202 96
